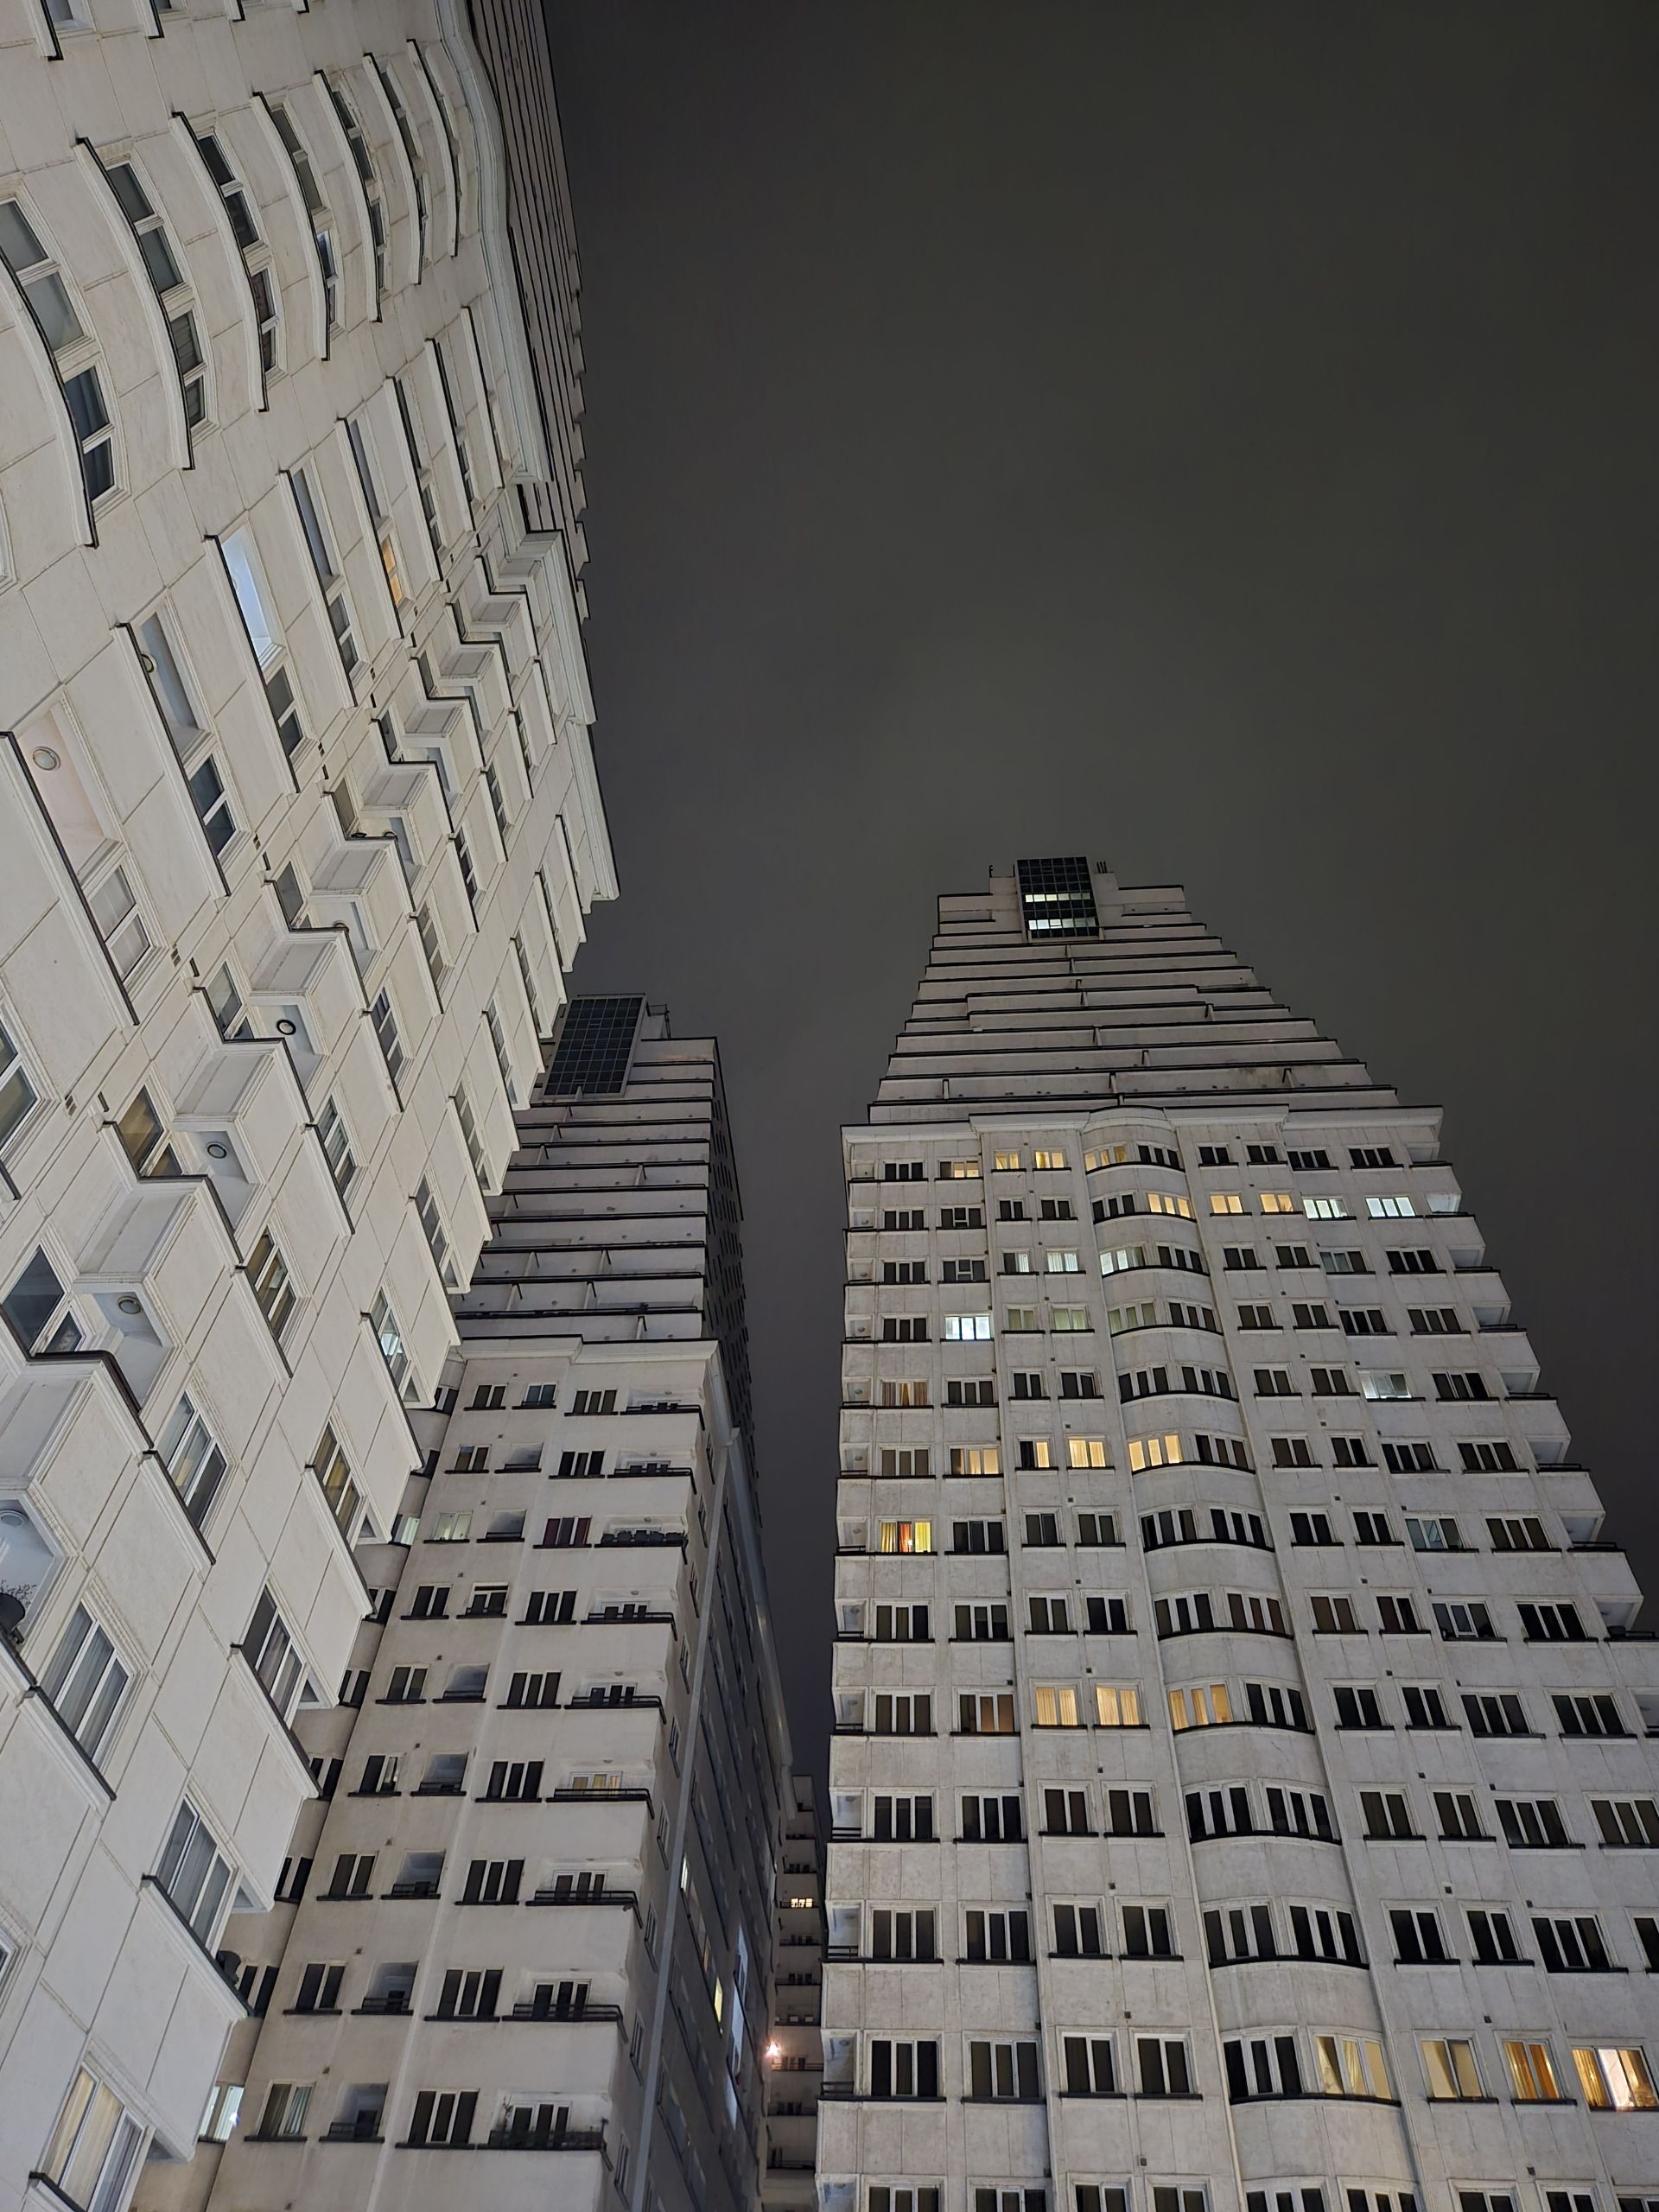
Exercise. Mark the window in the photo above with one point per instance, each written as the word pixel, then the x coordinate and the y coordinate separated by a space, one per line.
pixel 908 1715
pixel 1589 1716
pixel 268 1280
pixel 195 1463
pixel 1387 1814
pixel 1162 2067
pixel 1205 1705
pixel 907 2068
pixel 195 1873
pixel 1148 1933
pixel 1459 1815
pixel 1262 2066
pixel 1551 1623
pixel 1493 1937
pixel 1226 1202
pixel 1495 1458
pixel 390 1338
pixel 1614 2078
pixel 1077 1932
pixel 161 264
pixel 1460 1386
pixel 993 1937
pixel 1450 2069
pixel 1351 2065
pixel 1154 1452
pixel 86 1682
pixel 984 1820
pixel 985 1712
pixel 1433 1533
pixel 1571 1944
pixel 1323 1208
pixel 442 2118
pixel 18 1095
pixel 964 1328
pixel 1425 1707
pixel 1409 1459
pixel 224 2109
pixel 1358 1707
pixel 1390 1209
pixel 1097 1530
pixel 1278 1202
pixel 1065 1812
pixel 949 1218
pixel 1627 1823
pixel 1003 2069
pixel 1311 1528
pixel 269 1649
pixel 1418 1939
pixel 1518 1533
pixel 316 209
pixel 1334 1615
pixel 1054 1704
pixel 93 2153
pixel 341 1495
pixel 1090 2071
pixel 1464 1622
pixel 1495 1713
pixel 49 301
pixel 1117 1704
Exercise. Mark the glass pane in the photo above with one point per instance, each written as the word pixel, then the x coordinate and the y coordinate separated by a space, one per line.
pixel 50 301
pixel 33 1300
pixel 123 183
pixel 19 246
pixel 86 399
pixel 158 259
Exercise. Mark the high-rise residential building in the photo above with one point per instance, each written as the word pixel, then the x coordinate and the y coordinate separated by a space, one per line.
pixel 299 825
pixel 795 2053
pixel 1244 1796
pixel 531 1911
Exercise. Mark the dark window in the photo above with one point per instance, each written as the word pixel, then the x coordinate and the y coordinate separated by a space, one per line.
pixel 595 1048
pixel 1057 897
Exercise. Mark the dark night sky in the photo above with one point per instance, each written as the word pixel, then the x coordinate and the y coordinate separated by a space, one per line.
pixel 1218 438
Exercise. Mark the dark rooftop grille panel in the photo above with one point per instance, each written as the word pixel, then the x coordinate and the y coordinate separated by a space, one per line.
pixel 1057 899
pixel 595 1048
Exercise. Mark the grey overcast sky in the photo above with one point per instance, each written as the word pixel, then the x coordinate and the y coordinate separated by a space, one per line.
pixel 1217 438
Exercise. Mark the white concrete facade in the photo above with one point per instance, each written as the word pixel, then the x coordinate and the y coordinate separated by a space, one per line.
pixel 529 1917
pixel 299 826
pixel 1243 1784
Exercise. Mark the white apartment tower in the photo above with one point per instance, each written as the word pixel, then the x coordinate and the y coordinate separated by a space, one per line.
pixel 298 826
pixel 529 1915
pixel 1243 1779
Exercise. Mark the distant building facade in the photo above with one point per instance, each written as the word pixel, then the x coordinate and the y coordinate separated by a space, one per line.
pixel 300 825
pixel 795 2055
pixel 1243 1792
pixel 530 1912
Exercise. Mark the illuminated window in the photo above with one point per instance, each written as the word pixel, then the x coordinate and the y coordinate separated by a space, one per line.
pixel 1450 2069
pixel 907 1536
pixel 1206 1705
pixel 1086 1451
pixel 1225 1202
pixel 1154 1452
pixel 1532 2073
pixel 1056 1704
pixel 1118 1706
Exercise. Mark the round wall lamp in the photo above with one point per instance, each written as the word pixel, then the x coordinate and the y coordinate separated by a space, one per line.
pixel 286 1028
pixel 129 1304
pixel 44 757
pixel 218 1152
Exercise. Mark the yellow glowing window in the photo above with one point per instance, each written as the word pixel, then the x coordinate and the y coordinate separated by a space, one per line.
pixel 1167 1202
pixel 1615 2078
pixel 1206 1705
pixel 1226 1202
pixel 1110 1155
pixel 1086 1451
pixel 1048 1159
pixel 1353 2066
pixel 1004 1162
pixel 1056 1705
pixel 980 1459
pixel 1532 2073
pixel 1154 1452
pixel 907 1535
pixel 1117 1707
pixel 1277 1202
pixel 1450 2069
